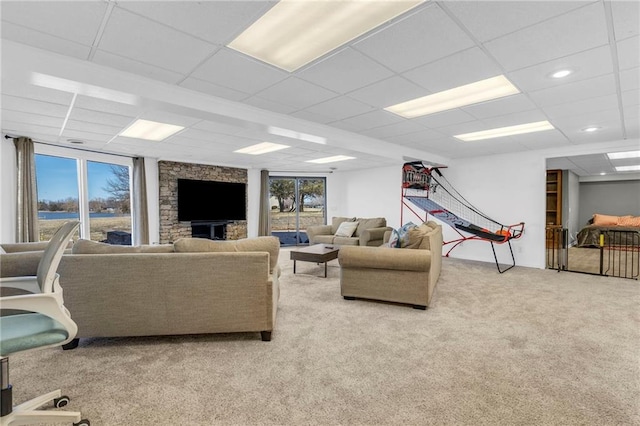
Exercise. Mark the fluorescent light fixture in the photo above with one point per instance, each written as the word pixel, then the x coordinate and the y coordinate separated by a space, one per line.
pixel 480 91
pixel 278 131
pixel 561 73
pixel 294 32
pixel 591 129
pixel 626 154
pixel 333 159
pixel 57 83
pixel 628 168
pixel 261 148
pixel 499 132
pixel 602 173
pixel 150 130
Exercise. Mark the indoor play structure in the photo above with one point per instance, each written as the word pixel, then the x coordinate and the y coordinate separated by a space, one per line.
pixel 427 189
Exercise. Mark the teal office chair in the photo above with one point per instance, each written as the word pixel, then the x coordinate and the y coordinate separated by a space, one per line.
pixel 34 316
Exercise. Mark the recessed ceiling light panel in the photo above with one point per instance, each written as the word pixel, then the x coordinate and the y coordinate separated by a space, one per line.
pixel 499 132
pixel 333 159
pixel 561 73
pixel 473 93
pixel 150 130
pixel 591 129
pixel 621 155
pixel 634 168
pixel 261 148
pixel 294 32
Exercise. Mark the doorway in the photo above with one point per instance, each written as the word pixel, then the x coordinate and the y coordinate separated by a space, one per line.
pixel 295 204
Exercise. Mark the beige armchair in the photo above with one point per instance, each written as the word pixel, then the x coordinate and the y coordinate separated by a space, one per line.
pixel 401 275
pixel 369 232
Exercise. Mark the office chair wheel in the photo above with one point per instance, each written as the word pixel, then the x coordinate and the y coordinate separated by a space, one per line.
pixel 83 422
pixel 61 402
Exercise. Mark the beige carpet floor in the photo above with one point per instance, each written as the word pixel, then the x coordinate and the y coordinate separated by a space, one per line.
pixel 528 347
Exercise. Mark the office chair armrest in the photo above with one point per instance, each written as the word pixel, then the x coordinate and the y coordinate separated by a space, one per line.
pixel 28 284
pixel 45 304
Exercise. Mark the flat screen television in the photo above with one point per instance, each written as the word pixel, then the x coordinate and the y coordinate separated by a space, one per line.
pixel 209 201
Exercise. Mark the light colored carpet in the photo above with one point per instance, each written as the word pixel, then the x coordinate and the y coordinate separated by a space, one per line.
pixel 528 347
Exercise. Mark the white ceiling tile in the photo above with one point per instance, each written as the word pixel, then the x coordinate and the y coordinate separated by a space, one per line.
pixel 573 125
pixel 37 93
pixel 14 127
pixel 70 133
pixel 631 97
pixel 213 89
pixel 626 18
pixel 269 105
pixel 611 130
pixel 369 120
pixel 490 19
pixel 137 38
pixel 15 103
pixel 388 92
pixel 345 71
pixel 239 72
pixel 93 127
pixel 444 118
pixel 460 128
pixel 410 139
pixel 567 34
pixel 339 108
pixel 514 119
pixel 129 65
pixel 214 21
pixel 296 93
pixel 629 53
pixel 630 79
pixel 542 140
pixel 108 119
pixel 583 106
pixel 74 21
pixel 418 39
pixel 169 118
pixel 29 118
pixel 396 129
pixel 217 127
pixel 311 116
pixel 461 68
pixel 496 107
pixel 43 41
pixel 571 92
pixel 585 65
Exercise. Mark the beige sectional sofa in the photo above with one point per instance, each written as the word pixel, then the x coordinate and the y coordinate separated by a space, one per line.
pixel 369 232
pixel 402 275
pixel 190 287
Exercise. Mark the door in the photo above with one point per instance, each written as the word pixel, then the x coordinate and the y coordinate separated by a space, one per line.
pixel 296 203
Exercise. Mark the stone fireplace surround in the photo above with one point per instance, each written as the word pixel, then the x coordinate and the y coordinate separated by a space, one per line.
pixel 168 174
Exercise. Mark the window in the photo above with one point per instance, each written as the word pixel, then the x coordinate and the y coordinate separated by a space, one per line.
pixel 93 188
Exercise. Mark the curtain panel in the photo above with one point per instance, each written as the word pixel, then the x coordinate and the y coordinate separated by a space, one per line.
pixel 27 194
pixel 139 202
pixel 264 220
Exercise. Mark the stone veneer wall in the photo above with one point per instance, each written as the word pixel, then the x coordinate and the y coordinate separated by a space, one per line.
pixel 169 172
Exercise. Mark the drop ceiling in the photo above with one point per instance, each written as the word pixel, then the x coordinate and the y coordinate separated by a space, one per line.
pixel 170 59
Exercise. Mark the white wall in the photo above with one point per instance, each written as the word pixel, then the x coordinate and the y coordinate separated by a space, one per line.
pixel 8 172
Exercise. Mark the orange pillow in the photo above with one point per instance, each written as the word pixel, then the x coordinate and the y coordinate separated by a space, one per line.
pixel 629 221
pixel 605 220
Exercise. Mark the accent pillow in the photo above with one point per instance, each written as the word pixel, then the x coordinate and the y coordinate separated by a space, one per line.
pixel 203 245
pixel 346 229
pixel 632 221
pixel 399 237
pixel 94 247
pixel 337 220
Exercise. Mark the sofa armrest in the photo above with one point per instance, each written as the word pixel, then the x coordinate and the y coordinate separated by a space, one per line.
pixel 315 230
pixel 384 258
pixel 20 264
pixel 373 234
pixel 22 247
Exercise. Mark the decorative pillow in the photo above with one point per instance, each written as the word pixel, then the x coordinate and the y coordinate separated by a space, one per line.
pixel 93 247
pixel 399 237
pixel 336 221
pixel 346 229
pixel 605 220
pixel 203 245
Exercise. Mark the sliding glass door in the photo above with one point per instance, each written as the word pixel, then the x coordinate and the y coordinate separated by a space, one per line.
pixel 296 202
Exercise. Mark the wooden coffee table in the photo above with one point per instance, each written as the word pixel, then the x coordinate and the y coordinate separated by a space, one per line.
pixel 317 253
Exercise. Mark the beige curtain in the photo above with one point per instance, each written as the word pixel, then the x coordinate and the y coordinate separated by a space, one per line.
pixel 27 202
pixel 139 203
pixel 264 221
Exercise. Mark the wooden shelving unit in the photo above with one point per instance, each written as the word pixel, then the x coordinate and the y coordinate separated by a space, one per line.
pixel 554 204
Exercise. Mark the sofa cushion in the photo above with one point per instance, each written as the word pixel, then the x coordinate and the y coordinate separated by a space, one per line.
pixel 93 247
pixel 323 239
pixel 337 220
pixel 346 229
pixel 200 245
pixel 157 248
pixel 364 223
pixel 268 244
pixel 346 241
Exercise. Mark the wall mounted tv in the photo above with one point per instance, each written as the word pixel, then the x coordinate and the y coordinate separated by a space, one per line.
pixel 211 201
